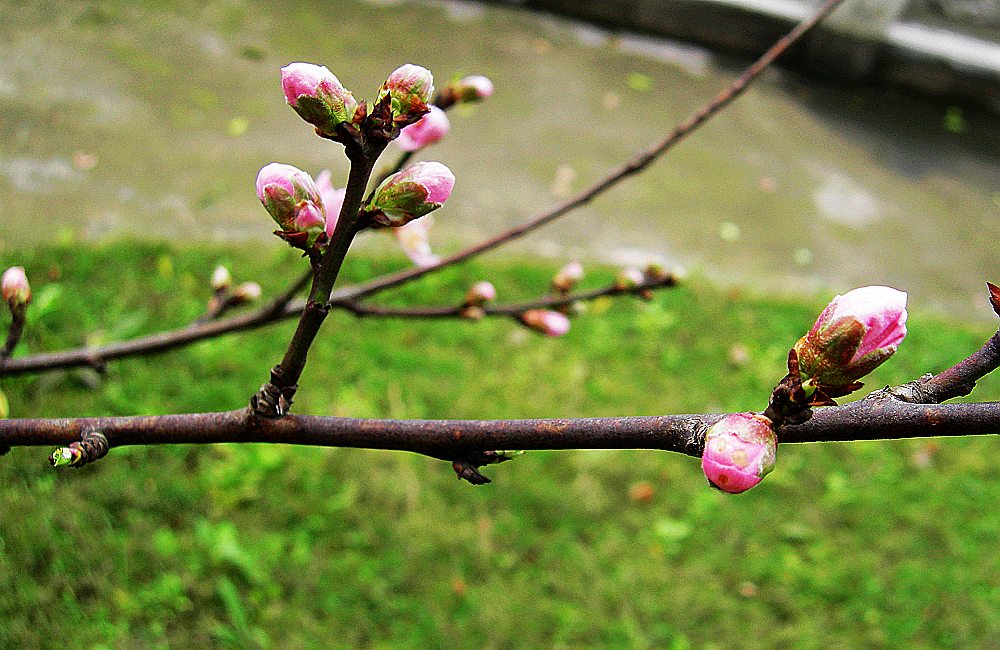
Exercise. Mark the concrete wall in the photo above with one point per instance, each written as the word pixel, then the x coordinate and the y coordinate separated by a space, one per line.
pixel 945 48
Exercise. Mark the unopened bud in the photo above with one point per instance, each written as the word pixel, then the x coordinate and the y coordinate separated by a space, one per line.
pixel 548 322
pixel 856 333
pixel 317 96
pixel 425 131
pixel 567 277
pixel 333 199
pixel 410 88
pixel 629 278
pixel 247 292
pixel 473 313
pixel 221 278
pixel 474 88
pixel 292 199
pixel 15 288
pixel 739 452
pixel 480 293
pixel 411 193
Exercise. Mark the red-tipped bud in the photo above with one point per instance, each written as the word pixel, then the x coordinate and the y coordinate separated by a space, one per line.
pixel 410 89
pixel 15 288
pixel 548 322
pixel 855 334
pixel 291 198
pixel 474 88
pixel 424 132
pixel 481 293
pixel 739 452
pixel 411 193
pixel 317 96
pixel 567 277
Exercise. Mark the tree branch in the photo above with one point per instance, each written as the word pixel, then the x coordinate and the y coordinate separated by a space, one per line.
pixel 516 309
pixel 450 439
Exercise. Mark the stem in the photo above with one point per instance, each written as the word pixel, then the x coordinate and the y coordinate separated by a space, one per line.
pixel 16 330
pixel 274 398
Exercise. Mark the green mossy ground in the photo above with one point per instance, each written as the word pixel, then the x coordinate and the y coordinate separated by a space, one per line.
pixel 844 545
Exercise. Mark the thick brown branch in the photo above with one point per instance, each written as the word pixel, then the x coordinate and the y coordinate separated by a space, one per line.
pixel 449 439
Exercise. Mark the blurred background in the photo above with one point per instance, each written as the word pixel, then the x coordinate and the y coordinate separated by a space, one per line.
pixel 130 139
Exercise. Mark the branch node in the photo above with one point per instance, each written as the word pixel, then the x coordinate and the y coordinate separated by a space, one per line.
pixel 918 391
pixel 467 468
pixel 92 446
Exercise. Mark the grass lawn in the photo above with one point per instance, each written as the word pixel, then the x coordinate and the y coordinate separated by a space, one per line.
pixel 844 545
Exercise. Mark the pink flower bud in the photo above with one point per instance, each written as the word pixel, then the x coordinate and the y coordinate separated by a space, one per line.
pixel 474 88
pixel 549 323
pixel 567 277
pixel 291 198
pixel 317 96
pixel 333 199
pixel 410 89
pixel 414 239
pixel 425 131
pixel 629 278
pixel 739 452
pixel 855 334
pixel 411 193
pixel 480 293
pixel 221 278
pixel 14 287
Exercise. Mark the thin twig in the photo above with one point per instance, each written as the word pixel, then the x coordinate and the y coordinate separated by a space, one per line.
pixel 516 309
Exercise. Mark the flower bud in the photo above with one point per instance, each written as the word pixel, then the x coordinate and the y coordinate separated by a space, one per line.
pixel 629 278
pixel 333 199
pixel 247 292
pixel 548 322
pixel 413 238
pixel 317 96
pixel 481 293
pixel 411 193
pixel 221 278
pixel 567 277
pixel 473 313
pixel 14 287
pixel 739 452
pixel 425 131
pixel 291 198
pixel 855 334
pixel 410 89
pixel 474 88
